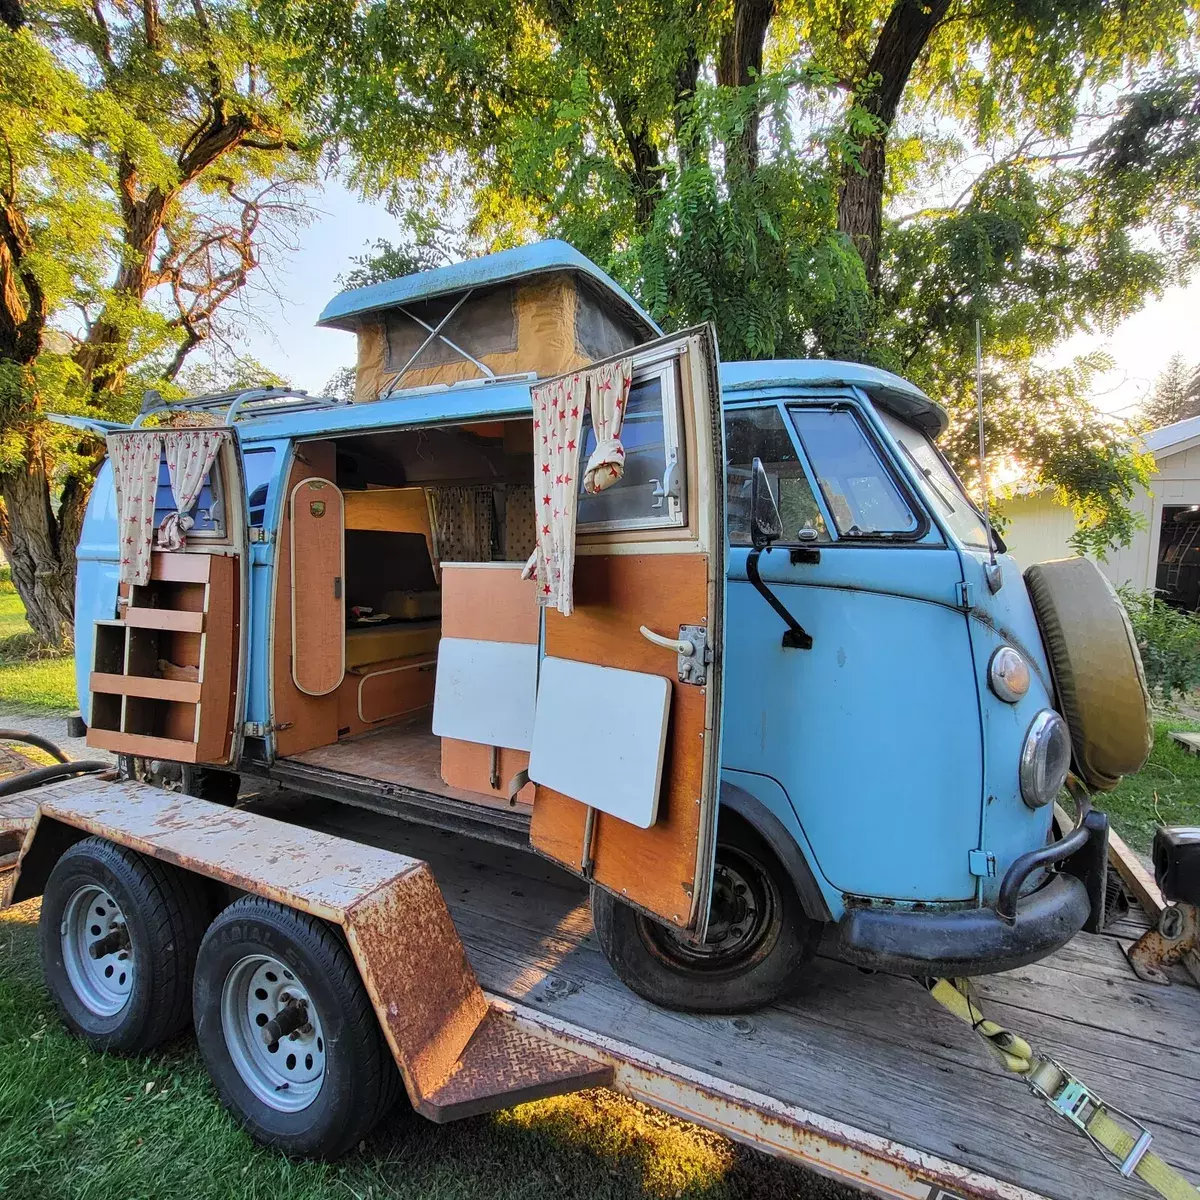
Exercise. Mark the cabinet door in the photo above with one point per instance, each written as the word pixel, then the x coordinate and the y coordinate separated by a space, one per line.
pixel 650 558
pixel 318 570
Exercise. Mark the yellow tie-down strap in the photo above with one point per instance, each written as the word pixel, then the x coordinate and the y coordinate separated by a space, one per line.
pixel 1128 1150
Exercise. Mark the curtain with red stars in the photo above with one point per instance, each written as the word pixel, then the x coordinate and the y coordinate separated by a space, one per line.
pixel 190 454
pixel 557 415
pixel 135 457
pixel 608 390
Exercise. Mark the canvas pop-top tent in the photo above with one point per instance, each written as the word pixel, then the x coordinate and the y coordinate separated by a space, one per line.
pixel 541 309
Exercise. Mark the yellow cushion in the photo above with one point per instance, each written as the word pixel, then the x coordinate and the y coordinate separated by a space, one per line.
pixel 372 644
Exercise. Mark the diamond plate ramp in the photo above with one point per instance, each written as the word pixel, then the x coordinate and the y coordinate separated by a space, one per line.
pixel 503 1065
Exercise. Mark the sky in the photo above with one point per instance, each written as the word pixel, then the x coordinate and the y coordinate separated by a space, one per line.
pixel 279 322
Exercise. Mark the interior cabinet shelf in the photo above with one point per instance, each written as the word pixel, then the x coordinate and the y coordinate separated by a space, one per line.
pixel 163 676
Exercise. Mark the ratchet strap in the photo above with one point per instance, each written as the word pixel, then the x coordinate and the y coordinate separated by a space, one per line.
pixel 1125 1143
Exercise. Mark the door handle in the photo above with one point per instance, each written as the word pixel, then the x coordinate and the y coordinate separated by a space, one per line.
pixel 680 646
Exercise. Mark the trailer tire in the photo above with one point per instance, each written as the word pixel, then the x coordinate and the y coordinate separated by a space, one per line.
pixel 133 999
pixel 759 944
pixel 335 1078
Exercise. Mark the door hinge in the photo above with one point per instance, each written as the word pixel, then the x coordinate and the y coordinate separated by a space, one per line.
pixel 981 863
pixel 963 595
pixel 259 730
pixel 256 533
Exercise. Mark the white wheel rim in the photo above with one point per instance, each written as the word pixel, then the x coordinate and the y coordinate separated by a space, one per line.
pixel 102 983
pixel 286 1075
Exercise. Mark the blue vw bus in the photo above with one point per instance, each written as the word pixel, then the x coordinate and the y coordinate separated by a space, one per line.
pixel 800 688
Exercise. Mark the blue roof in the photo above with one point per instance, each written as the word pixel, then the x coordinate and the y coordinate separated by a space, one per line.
pixel 890 392
pixel 539 259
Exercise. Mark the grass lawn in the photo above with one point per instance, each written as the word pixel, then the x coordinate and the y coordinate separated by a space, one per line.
pixel 1166 791
pixel 40 682
pixel 84 1126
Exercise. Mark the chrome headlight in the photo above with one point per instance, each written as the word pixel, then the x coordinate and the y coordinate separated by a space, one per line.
pixel 1045 759
pixel 1008 674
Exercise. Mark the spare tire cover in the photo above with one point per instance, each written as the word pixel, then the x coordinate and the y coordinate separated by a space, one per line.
pixel 1096 667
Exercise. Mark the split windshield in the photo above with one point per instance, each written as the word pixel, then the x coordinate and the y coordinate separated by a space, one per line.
pixel 947 495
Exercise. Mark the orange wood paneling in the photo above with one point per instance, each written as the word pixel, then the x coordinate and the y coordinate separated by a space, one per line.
pixel 489 601
pixel 218 672
pixel 387 695
pixel 614 595
pixel 301 721
pixel 468 765
pixel 318 591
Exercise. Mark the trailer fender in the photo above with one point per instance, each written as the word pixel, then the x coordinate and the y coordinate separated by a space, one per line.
pixel 454 1060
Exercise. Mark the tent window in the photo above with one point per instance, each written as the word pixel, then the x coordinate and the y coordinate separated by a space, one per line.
pixel 486 324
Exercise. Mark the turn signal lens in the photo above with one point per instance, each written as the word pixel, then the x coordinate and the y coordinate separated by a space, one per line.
pixel 1008 675
pixel 1045 759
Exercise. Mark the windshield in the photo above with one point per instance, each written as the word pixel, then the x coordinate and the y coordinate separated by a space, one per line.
pixel 947 494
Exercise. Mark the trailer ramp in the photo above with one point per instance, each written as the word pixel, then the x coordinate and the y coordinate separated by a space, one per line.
pixel 456 1056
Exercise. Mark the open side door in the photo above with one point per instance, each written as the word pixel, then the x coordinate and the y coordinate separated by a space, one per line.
pixel 628 728
pixel 166 674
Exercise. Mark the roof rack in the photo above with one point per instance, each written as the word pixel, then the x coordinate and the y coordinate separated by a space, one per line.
pixel 242 404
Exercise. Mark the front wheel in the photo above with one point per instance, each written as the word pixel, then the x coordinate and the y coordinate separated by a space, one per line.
pixel 287 1031
pixel 759 938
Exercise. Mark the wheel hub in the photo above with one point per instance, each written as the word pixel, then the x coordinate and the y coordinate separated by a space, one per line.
pixel 273 1033
pixel 96 950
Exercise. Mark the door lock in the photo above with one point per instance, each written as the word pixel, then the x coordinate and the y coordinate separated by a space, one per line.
pixel 692 650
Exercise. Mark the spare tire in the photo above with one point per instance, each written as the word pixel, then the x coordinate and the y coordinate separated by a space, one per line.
pixel 1096 667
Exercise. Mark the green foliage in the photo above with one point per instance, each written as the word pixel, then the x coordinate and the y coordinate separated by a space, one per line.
pixel 1169 641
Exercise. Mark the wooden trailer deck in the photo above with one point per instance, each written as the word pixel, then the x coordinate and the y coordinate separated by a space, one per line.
pixel 872 1056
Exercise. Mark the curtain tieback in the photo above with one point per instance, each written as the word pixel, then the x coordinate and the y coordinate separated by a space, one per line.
pixel 172 533
pixel 605 466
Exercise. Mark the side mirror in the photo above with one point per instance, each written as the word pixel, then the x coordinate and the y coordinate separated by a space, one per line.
pixel 766 525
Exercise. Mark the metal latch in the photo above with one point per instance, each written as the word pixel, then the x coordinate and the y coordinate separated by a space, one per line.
pixel 257 729
pixel 256 533
pixel 691 649
pixel 962 592
pixel 981 863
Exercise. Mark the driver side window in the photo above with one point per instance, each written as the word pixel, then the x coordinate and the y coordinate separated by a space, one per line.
pixel 761 433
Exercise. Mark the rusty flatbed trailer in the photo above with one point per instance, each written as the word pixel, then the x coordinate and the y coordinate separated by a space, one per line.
pixel 861 1078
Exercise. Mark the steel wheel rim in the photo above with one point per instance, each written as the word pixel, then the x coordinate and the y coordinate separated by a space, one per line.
pixel 746 904
pixel 286 1075
pixel 103 983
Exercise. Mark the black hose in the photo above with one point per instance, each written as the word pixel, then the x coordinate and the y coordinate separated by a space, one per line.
pixel 33 739
pixel 39 775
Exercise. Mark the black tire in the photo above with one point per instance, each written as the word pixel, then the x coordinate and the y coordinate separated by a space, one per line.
pixel 164 911
pixel 756 952
pixel 360 1081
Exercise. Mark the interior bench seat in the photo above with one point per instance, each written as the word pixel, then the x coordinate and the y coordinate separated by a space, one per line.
pixel 401 639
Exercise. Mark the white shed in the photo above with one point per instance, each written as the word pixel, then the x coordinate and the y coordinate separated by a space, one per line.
pixel 1164 555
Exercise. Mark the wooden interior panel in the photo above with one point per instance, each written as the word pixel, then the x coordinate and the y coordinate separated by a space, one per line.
pixel 374 695
pixel 614 595
pixel 219 663
pixel 317 585
pixel 301 721
pixel 490 602
pixel 468 765
pixel 391 510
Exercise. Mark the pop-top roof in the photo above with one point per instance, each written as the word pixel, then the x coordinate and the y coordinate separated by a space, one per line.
pixel 542 258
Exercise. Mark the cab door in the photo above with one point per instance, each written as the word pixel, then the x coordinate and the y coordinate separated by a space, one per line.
pixel 626 743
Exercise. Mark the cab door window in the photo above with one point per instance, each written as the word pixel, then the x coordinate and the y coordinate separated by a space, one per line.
pixel 859 490
pixel 762 433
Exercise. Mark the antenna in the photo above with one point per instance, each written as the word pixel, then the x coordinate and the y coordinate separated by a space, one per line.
pixel 994 577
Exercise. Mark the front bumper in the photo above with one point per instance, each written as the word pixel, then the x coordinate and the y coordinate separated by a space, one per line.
pixel 981 941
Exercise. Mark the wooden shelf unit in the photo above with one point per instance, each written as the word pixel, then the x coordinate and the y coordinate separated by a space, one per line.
pixel 163 676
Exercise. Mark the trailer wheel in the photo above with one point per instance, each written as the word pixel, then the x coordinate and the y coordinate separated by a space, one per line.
pixel 759 938
pixel 118 935
pixel 287 1031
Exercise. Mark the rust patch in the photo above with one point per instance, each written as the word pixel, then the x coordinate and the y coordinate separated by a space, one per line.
pixel 416 972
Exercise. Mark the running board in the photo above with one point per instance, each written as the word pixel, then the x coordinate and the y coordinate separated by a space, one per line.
pixel 456 1054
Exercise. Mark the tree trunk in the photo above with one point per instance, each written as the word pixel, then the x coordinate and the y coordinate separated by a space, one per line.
pixel 739 63
pixel 905 34
pixel 40 547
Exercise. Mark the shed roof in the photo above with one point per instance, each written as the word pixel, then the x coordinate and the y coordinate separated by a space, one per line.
pixel 1168 439
pixel 542 258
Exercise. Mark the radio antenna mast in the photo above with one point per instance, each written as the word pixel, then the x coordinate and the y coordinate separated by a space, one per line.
pixel 993 570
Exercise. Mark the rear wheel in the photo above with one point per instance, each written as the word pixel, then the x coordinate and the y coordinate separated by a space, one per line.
pixel 759 939
pixel 119 934
pixel 287 1031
